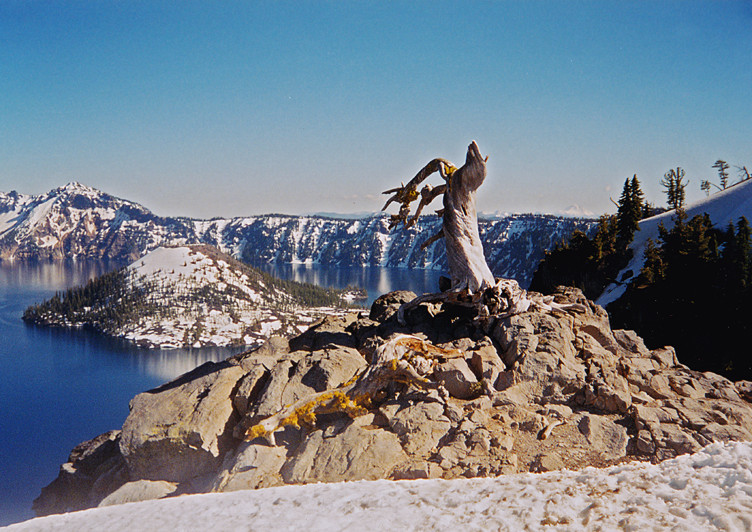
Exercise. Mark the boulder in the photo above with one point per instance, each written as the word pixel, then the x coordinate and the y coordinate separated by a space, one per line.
pixel 95 468
pixel 604 436
pixel 665 356
pixel 139 490
pixel 328 332
pixel 265 355
pixel 387 305
pixel 351 452
pixel 420 427
pixel 632 344
pixel 457 378
pixel 417 469
pixel 181 429
pixel 486 363
pixel 744 388
pixel 251 466
pixel 300 373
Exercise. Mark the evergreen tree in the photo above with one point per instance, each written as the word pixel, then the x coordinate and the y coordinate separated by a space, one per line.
pixel 722 167
pixel 654 269
pixel 629 212
pixel 675 187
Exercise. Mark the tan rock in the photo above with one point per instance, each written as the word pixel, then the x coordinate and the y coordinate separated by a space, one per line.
pixel 181 429
pixel 354 454
pixel 665 356
pixel 457 378
pixel 486 364
pixel 605 436
pixel 251 466
pixel 139 490
pixel 547 462
pixel 420 427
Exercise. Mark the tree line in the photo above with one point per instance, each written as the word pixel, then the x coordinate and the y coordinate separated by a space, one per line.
pixel 113 300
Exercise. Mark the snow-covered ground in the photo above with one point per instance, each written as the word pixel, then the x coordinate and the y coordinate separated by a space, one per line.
pixel 710 490
pixel 246 313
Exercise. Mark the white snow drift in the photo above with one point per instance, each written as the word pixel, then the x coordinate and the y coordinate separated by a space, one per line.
pixel 710 490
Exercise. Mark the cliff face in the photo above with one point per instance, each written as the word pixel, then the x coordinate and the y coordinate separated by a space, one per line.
pixel 536 391
pixel 76 221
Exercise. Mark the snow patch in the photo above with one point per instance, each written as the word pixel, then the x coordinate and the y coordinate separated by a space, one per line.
pixel 711 489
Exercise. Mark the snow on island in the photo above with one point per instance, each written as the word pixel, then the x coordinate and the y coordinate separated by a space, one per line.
pixel 709 490
pixel 191 296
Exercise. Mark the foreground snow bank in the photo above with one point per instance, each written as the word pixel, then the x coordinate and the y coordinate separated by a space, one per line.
pixel 711 489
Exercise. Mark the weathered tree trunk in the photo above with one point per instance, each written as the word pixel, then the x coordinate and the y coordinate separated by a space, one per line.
pixel 467 264
pixel 408 359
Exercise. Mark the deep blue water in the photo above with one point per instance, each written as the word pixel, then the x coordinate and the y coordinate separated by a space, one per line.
pixel 60 387
pixel 376 280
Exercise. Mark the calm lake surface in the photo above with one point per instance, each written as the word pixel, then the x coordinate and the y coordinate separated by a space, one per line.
pixel 62 387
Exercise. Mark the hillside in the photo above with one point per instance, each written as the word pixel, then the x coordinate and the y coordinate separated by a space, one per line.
pixel 723 207
pixel 189 296
pixel 76 221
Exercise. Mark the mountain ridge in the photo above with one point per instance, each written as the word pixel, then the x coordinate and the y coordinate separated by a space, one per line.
pixel 80 222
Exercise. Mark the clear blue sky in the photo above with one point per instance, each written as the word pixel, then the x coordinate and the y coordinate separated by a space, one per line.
pixel 234 108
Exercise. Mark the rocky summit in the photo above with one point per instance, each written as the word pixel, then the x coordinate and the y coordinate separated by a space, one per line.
pixel 536 391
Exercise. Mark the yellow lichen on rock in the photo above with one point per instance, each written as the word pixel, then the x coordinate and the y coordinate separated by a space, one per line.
pixel 304 416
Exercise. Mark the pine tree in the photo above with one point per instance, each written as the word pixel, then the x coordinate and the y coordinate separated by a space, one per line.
pixel 654 269
pixel 675 187
pixel 738 253
pixel 722 167
pixel 629 212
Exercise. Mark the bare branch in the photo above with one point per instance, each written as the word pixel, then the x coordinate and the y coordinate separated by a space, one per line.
pixel 406 194
pixel 433 239
pixel 427 195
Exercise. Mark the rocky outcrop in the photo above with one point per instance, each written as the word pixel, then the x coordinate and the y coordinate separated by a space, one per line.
pixel 95 468
pixel 182 429
pixel 536 391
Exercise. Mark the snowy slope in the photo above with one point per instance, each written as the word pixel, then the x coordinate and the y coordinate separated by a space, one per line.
pixel 76 221
pixel 710 490
pixel 723 207
pixel 194 296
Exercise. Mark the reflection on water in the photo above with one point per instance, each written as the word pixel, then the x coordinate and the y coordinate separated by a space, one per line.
pixel 375 280
pixel 169 363
pixel 51 275
pixel 159 364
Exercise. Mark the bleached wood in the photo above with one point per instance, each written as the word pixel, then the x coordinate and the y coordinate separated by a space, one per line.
pixel 468 269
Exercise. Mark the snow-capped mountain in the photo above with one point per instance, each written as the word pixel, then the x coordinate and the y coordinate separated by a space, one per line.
pixel 76 221
pixel 186 296
pixel 723 208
